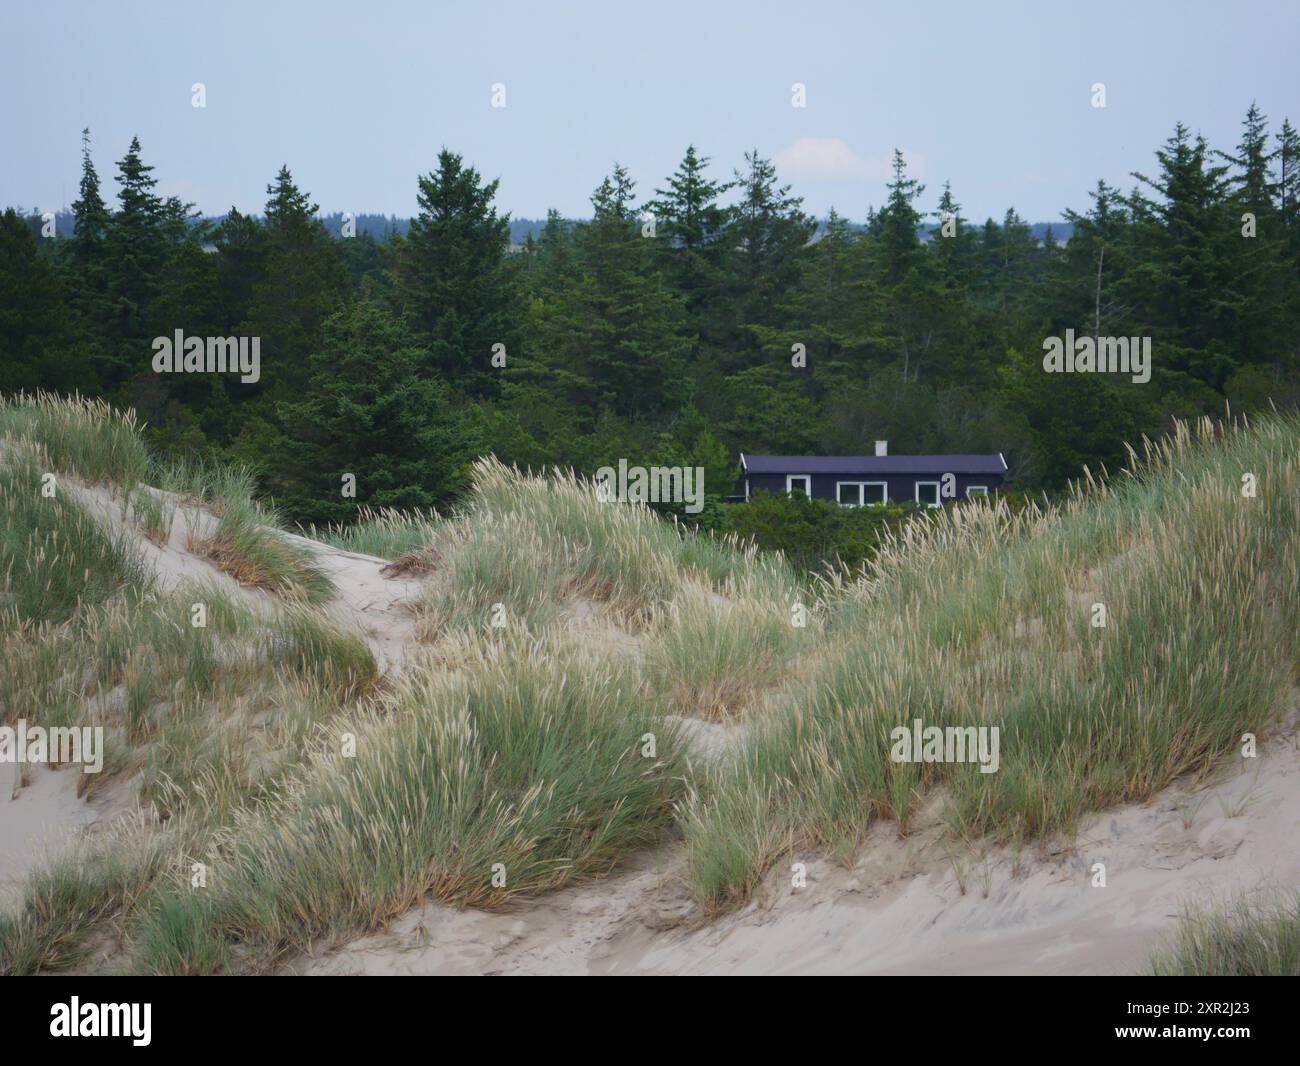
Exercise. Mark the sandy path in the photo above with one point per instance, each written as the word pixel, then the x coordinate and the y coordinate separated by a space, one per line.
pixel 378 606
pixel 366 601
pixel 901 909
pixel 44 816
pixel 35 820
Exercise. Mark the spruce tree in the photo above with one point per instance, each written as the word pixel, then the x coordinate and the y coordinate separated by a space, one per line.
pixel 454 279
pixel 613 339
pixel 1183 264
pixel 368 408
pixel 1259 296
pixel 303 281
pixel 90 225
pixel 690 227
pixel 136 246
pixel 37 350
pixel 766 241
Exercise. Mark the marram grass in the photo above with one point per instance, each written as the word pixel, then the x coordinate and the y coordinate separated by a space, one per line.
pixel 985 618
pixel 324 801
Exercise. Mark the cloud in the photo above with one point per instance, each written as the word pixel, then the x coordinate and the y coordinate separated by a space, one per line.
pixel 831 159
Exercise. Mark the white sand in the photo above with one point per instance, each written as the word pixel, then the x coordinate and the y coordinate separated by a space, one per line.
pixel 374 605
pixel 47 814
pixel 39 820
pixel 378 606
pixel 901 909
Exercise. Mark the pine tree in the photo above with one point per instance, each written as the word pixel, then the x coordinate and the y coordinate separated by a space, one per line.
pixel 614 339
pixel 1259 312
pixel 90 227
pixel 454 279
pixel 1182 264
pixel 904 275
pixel 954 243
pixel 899 247
pixel 766 241
pixel 87 276
pixel 37 350
pixel 1091 282
pixel 303 282
pixel 369 408
pixel 690 231
pixel 241 265
pixel 136 245
pixel 833 312
pixel 556 267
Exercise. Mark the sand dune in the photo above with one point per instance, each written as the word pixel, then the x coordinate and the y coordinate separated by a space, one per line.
pixel 913 906
pixel 47 813
pixel 901 909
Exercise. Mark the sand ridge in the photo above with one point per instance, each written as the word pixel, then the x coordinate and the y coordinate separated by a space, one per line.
pixel 914 906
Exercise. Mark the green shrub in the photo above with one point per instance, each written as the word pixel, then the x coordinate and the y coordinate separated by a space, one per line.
pixel 814 534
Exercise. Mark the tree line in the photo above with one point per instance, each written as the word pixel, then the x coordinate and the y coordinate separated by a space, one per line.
pixel 710 315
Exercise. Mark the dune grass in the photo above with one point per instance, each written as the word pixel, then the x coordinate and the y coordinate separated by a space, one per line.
pixel 323 801
pixel 89 438
pixel 387 533
pixel 247 544
pixel 1246 938
pixel 203 721
pixel 715 656
pixel 153 512
pixel 54 555
pixel 102 445
pixel 984 618
pixel 517 777
pixel 529 543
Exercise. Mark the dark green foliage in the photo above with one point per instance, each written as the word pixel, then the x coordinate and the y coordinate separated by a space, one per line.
pixel 303 281
pixel 714 317
pixel 38 349
pixel 814 534
pixel 369 410
pixel 453 279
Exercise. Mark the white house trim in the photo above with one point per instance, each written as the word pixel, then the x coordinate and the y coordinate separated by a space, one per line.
pixel 805 478
pixel 862 492
pixel 976 490
pixel 938 499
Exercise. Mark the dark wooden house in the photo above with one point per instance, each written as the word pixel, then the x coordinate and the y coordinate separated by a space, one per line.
pixel 859 480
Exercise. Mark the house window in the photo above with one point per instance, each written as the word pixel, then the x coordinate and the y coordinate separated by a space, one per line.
pixel 801 482
pixel 927 492
pixel 861 493
pixel 977 490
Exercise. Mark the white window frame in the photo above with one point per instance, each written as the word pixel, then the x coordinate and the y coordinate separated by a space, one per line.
pixel 976 490
pixel 862 493
pixel 805 478
pixel 938 494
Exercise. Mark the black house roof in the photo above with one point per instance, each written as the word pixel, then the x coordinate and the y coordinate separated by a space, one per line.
pixel 873 464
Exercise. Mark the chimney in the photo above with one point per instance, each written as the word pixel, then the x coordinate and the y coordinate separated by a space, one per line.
pixel 882 447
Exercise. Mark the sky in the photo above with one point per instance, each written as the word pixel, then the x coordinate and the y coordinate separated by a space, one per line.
pixel 358 98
